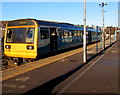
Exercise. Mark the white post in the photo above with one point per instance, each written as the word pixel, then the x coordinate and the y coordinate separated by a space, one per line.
pixel 84 36
pixel 103 34
pixel 103 28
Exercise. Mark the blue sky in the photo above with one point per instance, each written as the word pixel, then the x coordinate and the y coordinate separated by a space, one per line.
pixel 71 12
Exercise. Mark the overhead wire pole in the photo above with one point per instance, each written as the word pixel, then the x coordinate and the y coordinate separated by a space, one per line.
pixel 103 34
pixel 103 28
pixel 84 36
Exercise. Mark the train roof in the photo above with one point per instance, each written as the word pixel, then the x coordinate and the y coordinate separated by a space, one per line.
pixel 61 25
pixel 49 23
pixel 64 25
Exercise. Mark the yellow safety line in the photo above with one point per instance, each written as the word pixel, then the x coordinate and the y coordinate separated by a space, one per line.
pixel 42 62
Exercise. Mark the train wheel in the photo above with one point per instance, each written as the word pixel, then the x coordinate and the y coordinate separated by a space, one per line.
pixel 26 61
pixel 17 61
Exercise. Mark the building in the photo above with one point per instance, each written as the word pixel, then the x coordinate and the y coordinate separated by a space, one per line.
pixel 2 27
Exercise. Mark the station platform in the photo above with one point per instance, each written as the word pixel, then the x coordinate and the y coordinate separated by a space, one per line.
pixel 100 77
pixel 66 74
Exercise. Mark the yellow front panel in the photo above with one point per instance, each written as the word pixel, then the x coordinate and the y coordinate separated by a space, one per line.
pixel 20 50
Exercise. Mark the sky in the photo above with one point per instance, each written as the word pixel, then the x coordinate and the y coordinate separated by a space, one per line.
pixel 69 12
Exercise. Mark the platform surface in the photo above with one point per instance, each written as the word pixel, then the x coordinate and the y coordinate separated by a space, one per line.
pixel 102 76
pixel 67 75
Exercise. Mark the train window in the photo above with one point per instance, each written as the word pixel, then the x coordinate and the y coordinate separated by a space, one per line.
pixel 44 33
pixel 87 32
pixel 60 33
pixel 78 33
pixel 65 34
pixel 81 33
pixel 75 33
pixel 70 34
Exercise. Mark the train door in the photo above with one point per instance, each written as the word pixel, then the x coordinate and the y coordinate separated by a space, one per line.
pixel 53 39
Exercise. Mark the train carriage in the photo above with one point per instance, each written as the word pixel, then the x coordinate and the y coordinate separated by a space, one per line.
pixel 26 39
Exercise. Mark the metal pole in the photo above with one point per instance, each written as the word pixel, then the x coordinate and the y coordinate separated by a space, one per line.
pixel 84 36
pixel 97 39
pixel 103 28
pixel 103 34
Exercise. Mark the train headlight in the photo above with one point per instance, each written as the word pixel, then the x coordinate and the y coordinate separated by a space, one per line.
pixel 30 47
pixel 7 46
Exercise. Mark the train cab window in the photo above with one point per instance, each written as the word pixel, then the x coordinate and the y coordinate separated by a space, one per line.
pixel 9 35
pixel 30 34
pixel 20 35
pixel 44 33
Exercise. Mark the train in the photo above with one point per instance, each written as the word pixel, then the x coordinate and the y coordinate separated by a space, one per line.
pixel 26 39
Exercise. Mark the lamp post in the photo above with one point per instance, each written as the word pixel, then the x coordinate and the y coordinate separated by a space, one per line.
pixel 84 36
pixel 103 34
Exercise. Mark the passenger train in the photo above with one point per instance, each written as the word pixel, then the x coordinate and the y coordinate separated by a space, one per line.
pixel 26 39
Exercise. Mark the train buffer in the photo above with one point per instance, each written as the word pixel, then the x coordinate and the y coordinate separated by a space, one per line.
pixel 67 75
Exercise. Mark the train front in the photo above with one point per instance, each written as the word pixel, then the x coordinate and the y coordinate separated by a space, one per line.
pixel 21 39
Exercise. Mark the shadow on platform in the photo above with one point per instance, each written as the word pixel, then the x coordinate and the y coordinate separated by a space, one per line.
pixel 47 87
